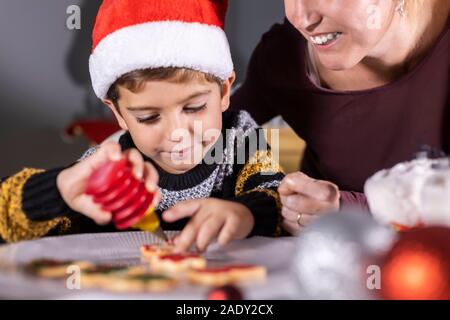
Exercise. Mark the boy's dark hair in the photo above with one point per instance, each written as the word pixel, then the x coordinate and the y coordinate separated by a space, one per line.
pixel 134 80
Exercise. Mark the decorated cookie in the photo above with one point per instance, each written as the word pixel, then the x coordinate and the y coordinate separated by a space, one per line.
pixel 231 274
pixel 50 268
pixel 177 263
pixel 150 251
pixel 146 282
pixel 97 275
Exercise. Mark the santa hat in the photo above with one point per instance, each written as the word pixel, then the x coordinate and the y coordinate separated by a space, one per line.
pixel 131 35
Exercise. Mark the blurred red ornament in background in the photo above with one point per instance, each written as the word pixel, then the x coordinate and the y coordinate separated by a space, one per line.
pixel 95 131
pixel 418 266
pixel 227 292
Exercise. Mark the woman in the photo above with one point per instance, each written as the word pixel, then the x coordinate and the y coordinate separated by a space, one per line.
pixel 364 82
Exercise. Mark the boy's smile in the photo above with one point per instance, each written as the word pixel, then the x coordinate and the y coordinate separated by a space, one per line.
pixel 174 124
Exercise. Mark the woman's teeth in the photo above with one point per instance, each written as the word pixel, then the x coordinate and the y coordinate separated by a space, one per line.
pixel 325 38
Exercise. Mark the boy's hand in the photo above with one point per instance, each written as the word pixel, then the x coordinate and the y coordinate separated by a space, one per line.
pixel 72 182
pixel 211 219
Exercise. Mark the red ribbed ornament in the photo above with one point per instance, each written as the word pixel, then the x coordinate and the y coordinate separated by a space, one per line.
pixel 116 190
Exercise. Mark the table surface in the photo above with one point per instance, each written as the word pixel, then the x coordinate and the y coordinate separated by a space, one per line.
pixel 123 249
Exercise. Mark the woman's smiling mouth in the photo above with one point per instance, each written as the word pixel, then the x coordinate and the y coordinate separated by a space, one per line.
pixel 325 39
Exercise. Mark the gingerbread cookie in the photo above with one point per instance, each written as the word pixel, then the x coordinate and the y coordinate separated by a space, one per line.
pixel 97 275
pixel 146 282
pixel 51 268
pixel 231 274
pixel 150 251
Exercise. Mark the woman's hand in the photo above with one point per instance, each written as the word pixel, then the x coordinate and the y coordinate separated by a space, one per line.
pixel 304 199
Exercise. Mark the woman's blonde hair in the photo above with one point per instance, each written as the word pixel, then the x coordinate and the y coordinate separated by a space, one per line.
pixel 413 7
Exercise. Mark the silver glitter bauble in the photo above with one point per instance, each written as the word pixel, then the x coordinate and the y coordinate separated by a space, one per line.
pixel 337 255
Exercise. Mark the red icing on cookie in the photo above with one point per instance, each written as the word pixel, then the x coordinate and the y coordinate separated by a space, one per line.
pixel 157 249
pixel 149 247
pixel 178 257
pixel 225 268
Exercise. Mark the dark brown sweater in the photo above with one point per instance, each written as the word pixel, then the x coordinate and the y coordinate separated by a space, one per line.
pixel 349 135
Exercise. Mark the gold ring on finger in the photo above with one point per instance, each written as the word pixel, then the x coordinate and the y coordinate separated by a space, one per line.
pixel 299 218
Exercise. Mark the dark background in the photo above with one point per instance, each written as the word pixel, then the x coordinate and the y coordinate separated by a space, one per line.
pixel 44 78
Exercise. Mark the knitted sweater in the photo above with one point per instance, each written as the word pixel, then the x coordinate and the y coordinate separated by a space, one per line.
pixel 243 171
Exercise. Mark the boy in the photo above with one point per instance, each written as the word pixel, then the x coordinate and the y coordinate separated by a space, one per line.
pixel 164 69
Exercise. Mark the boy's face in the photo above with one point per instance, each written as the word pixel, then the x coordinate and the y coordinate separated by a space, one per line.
pixel 174 123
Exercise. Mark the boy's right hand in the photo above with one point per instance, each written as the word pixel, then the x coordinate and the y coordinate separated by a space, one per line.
pixel 72 181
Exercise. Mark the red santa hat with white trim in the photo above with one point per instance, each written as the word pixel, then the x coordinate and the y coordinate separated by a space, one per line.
pixel 131 35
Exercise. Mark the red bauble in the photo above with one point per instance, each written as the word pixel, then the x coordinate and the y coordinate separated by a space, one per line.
pixel 418 266
pixel 225 293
